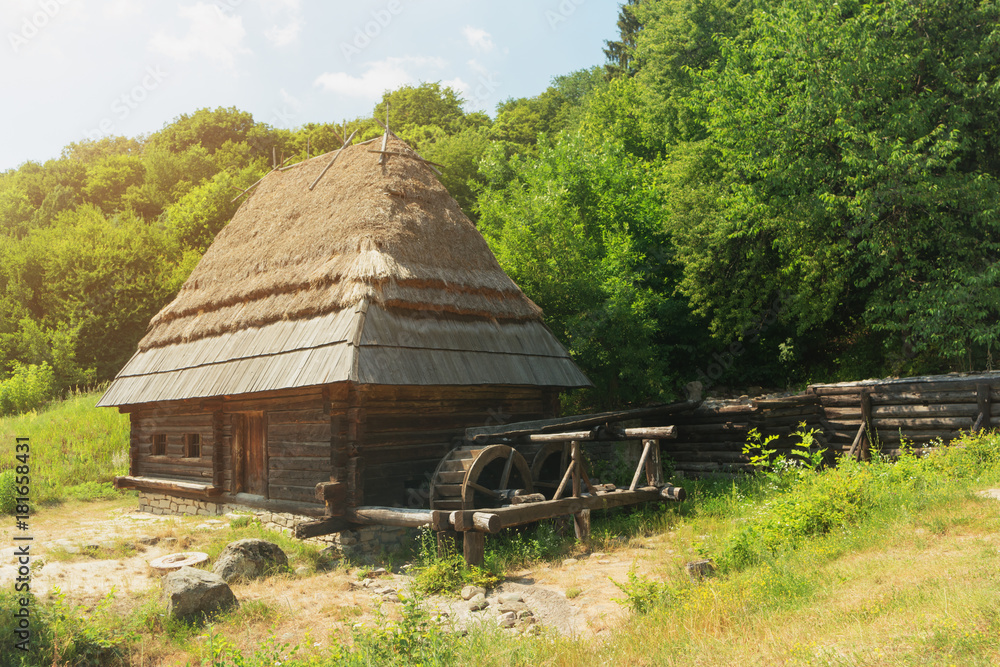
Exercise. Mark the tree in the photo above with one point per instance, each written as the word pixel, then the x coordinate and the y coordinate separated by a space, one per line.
pixel 620 53
pixel 578 229
pixel 857 152
pixel 430 103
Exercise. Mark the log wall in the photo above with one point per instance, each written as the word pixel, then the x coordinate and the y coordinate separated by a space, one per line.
pixel 404 432
pixel 381 443
pixel 919 409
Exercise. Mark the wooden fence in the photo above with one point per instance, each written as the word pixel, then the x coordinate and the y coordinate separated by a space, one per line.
pixel 852 418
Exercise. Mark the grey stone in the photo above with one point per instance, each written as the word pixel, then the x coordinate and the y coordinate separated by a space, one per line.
pixel 190 591
pixel 508 619
pixel 379 572
pixel 470 592
pixel 510 597
pixel 249 559
pixel 478 603
pixel 147 539
pixel 513 606
pixel 699 569
pixel 570 561
pixel 169 540
pixel 302 571
pixel 597 554
pixel 71 550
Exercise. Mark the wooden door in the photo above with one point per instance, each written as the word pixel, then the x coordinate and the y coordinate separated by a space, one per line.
pixel 250 453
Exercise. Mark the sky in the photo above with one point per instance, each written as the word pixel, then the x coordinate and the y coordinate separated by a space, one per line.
pixel 72 70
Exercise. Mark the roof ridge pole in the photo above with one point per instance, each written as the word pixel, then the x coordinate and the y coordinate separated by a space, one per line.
pixel 385 137
pixel 327 167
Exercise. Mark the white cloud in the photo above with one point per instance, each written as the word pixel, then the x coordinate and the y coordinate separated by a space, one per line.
pixel 460 86
pixel 121 9
pixel 288 21
pixel 379 76
pixel 283 36
pixel 478 39
pixel 211 34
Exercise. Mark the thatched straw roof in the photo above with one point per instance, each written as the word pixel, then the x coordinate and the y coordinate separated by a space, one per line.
pixel 307 273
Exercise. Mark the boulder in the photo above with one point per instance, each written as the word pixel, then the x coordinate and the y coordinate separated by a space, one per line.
pixel 190 591
pixel 478 602
pixel 249 559
pixel 470 592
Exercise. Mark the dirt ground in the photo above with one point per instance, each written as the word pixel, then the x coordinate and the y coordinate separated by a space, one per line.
pixel 333 601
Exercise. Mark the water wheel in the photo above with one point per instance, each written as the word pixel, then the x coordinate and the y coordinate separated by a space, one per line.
pixel 549 466
pixel 477 477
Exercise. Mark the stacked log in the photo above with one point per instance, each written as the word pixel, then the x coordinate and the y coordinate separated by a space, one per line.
pixel 853 418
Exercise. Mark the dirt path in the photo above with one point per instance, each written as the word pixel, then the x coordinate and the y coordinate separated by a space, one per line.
pixel 333 602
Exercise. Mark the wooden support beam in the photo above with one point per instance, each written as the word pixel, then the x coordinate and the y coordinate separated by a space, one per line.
pixel 484 433
pixel 394 516
pixel 577 463
pixel 866 419
pixel 856 444
pixel 624 434
pixel 170 486
pixel 519 515
pixel 334 495
pixel 328 526
pixel 473 547
pixel 647 445
pixel 581 525
pixel 330 164
pixel 985 407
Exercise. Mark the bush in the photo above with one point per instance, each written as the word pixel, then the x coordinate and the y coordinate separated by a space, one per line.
pixel 8 498
pixel 27 389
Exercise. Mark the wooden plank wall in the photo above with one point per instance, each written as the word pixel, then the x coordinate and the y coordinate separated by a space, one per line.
pixel 175 421
pixel 298 440
pixel 405 431
pixel 711 438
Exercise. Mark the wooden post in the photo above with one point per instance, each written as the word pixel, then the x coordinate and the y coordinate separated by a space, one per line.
pixel 647 445
pixel 473 547
pixel 581 524
pixel 866 419
pixel 654 469
pixel 218 462
pixel 983 400
pixel 576 464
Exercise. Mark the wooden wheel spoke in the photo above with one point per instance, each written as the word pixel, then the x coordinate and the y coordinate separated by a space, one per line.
pixel 505 477
pixel 483 489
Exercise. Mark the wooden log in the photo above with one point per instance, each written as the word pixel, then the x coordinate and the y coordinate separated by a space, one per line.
pixel 527 498
pixel 391 516
pixel 797 401
pixel 915 423
pixel 334 494
pixel 520 515
pixel 577 463
pixel 486 522
pixel 328 526
pixel 581 525
pixel 866 419
pixel 473 547
pixel 922 397
pixel 207 490
pixel 932 410
pixel 481 433
pixel 856 443
pixel 647 446
pixel 983 400
pixel 673 493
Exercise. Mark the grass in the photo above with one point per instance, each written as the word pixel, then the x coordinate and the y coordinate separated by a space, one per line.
pixel 76 449
pixel 882 563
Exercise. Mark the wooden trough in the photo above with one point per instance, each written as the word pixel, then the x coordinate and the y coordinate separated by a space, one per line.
pixel 486 483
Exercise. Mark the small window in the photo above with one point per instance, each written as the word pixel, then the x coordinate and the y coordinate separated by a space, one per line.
pixel 160 444
pixel 192 446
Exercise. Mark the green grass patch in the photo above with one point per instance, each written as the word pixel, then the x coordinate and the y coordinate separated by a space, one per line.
pixel 76 450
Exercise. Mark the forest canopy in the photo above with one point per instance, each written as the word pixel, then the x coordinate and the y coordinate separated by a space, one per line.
pixel 749 192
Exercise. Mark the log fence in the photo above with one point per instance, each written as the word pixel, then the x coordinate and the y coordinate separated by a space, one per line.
pixel 849 418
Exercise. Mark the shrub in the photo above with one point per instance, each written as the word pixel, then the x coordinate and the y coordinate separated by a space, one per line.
pixel 8 498
pixel 28 388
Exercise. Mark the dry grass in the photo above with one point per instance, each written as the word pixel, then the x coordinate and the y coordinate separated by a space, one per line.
pixel 389 233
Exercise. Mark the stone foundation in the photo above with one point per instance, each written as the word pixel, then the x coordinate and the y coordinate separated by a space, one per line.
pixel 363 543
